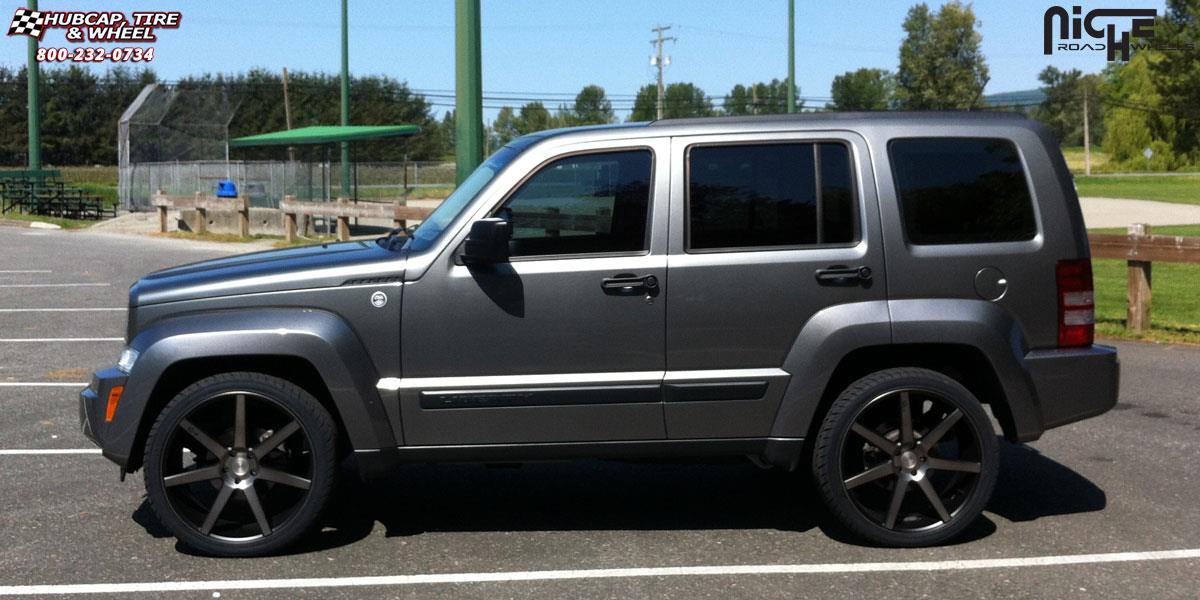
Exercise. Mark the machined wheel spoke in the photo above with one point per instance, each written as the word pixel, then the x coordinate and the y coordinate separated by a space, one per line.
pixel 288 479
pixel 239 422
pixel 906 425
pixel 897 499
pixel 276 438
pixel 942 464
pixel 192 476
pixel 877 472
pixel 217 507
pixel 932 495
pixel 256 507
pixel 875 439
pixel 217 449
pixel 935 435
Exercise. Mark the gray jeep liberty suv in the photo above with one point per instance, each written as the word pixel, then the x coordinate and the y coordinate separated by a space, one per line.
pixel 840 293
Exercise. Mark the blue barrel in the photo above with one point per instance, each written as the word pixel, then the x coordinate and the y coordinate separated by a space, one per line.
pixel 226 188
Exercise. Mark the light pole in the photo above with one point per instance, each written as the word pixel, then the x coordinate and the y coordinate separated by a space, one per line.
pixel 33 81
pixel 345 98
pixel 791 91
pixel 468 89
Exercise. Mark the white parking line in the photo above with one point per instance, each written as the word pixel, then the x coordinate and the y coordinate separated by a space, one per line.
pixel 37 451
pixel 54 285
pixel 21 310
pixel 511 576
pixel 41 384
pixel 72 339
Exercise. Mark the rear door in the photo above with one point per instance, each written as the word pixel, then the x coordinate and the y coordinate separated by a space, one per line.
pixel 766 230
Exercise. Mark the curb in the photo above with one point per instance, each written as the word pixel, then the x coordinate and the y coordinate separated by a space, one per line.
pixel 28 224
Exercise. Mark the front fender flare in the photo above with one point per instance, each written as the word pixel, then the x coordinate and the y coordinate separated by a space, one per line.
pixel 319 337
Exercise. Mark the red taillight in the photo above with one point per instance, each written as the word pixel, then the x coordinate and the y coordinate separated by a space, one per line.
pixel 1076 303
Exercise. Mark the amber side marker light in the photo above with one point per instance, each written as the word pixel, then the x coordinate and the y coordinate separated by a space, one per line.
pixel 114 396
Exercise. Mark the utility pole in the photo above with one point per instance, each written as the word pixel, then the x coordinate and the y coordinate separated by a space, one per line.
pixel 33 82
pixel 1087 137
pixel 658 60
pixel 287 115
pixel 791 91
pixel 468 89
pixel 345 98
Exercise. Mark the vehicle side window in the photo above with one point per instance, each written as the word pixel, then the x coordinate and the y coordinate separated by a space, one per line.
pixel 584 204
pixel 962 191
pixel 769 195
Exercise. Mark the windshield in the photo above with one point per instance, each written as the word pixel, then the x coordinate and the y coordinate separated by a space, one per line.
pixel 432 228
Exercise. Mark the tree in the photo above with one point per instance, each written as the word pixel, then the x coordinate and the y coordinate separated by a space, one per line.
pixel 864 89
pixel 1134 120
pixel 941 65
pixel 680 101
pixel 591 107
pixel 1177 72
pixel 1062 110
pixel 534 116
pixel 504 128
pixel 758 99
pixel 645 104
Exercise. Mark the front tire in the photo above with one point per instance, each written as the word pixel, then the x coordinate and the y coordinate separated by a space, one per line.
pixel 241 464
pixel 906 457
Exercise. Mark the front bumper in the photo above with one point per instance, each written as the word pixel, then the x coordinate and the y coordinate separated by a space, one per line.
pixel 1073 384
pixel 92 404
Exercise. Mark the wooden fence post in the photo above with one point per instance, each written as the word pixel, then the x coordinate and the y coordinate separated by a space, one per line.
pixel 399 223
pixel 343 221
pixel 244 214
pixel 162 214
pixel 201 213
pixel 1140 275
pixel 289 221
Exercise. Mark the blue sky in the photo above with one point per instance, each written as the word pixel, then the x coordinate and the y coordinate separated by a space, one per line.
pixel 551 48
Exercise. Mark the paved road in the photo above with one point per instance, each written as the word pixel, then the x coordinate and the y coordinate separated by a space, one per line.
pixel 1127 482
pixel 1116 212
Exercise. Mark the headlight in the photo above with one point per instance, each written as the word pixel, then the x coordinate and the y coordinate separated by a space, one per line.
pixel 128 357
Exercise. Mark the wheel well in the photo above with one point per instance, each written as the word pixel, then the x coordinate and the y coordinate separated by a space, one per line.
pixel 186 372
pixel 964 364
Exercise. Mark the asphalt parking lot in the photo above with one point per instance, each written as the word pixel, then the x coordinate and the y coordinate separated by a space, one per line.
pixel 1109 507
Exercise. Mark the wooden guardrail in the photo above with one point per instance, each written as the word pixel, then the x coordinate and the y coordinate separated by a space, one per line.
pixel 1140 250
pixel 343 210
pixel 202 204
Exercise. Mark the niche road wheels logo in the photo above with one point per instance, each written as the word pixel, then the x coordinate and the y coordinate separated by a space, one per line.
pixel 1072 26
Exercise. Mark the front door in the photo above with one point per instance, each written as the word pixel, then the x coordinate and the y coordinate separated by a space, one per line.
pixel 564 343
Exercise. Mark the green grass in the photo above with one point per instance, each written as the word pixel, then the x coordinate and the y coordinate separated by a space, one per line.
pixel 1074 156
pixel 1183 230
pixel 64 223
pixel 1175 311
pixel 1183 189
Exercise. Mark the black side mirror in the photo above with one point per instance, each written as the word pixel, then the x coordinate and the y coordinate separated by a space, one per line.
pixel 487 243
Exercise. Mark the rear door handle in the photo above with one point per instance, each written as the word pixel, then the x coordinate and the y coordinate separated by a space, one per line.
pixel 628 284
pixel 843 275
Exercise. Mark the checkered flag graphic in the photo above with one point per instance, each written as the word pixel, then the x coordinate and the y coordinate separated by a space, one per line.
pixel 27 22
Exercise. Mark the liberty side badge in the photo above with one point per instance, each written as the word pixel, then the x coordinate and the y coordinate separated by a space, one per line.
pixel 378 299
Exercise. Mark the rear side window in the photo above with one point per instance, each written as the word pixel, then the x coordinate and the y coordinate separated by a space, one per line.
pixel 962 191
pixel 769 195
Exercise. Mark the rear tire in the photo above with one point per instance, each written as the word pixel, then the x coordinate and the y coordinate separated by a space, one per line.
pixel 906 457
pixel 241 464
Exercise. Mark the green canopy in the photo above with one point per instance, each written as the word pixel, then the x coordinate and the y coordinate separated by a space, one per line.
pixel 324 134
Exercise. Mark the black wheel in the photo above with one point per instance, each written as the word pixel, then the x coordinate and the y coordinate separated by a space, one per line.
pixel 240 464
pixel 906 457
